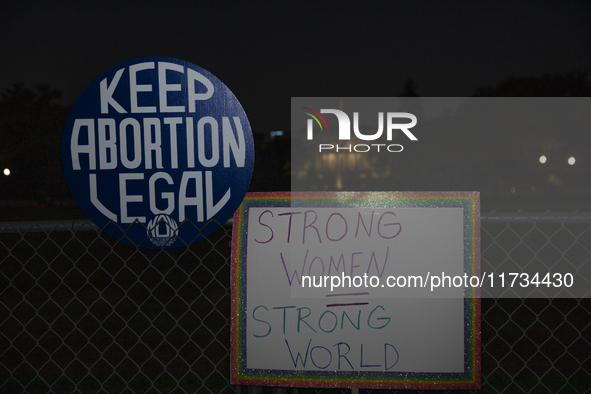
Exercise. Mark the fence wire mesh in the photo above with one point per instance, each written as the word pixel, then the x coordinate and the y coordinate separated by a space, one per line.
pixel 82 312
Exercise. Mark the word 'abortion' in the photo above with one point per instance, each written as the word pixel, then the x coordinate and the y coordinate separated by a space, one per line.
pixel 134 146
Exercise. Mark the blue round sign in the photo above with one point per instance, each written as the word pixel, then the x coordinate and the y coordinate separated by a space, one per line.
pixel 158 152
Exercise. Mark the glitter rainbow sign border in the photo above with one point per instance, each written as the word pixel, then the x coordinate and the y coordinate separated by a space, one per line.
pixel 470 379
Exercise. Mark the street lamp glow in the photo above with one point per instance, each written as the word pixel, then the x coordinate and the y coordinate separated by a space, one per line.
pixel 571 160
pixel 6 171
pixel 543 159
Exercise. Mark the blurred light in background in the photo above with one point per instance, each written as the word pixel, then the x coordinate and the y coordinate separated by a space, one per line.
pixel 6 171
pixel 543 159
pixel 571 160
pixel 277 133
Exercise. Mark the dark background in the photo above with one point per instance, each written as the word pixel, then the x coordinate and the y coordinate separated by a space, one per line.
pixel 76 295
pixel 267 52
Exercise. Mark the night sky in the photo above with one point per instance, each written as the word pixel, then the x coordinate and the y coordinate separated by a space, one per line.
pixel 267 52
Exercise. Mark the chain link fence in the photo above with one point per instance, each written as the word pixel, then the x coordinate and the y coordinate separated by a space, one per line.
pixel 81 312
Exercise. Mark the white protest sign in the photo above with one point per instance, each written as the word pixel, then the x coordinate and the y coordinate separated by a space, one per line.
pixel 352 290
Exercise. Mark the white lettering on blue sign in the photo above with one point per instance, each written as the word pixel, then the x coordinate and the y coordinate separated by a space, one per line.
pixel 158 142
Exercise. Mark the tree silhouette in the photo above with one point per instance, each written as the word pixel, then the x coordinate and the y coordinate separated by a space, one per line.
pixel 574 84
pixel 409 89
